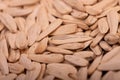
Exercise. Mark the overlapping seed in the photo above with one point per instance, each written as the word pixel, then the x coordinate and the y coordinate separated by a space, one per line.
pixel 59 39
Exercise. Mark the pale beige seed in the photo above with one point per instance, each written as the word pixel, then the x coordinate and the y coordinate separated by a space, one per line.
pixel 116 75
pixel 47 58
pixel 26 62
pixel 62 39
pixel 14 55
pixel 94 26
pixel 61 7
pixel 87 43
pixel 21 40
pixel 33 74
pixel 103 25
pixel 82 73
pixel 56 49
pixel 49 77
pixel 105 46
pixel 4 47
pixel 116 45
pixel 51 18
pixel 73 76
pixel 88 2
pixel 65 29
pixel 112 4
pixel 53 26
pixel 94 64
pixel 32 49
pixel 111 38
pixel 10 37
pixel 104 13
pixel 75 4
pixel 94 32
pixel 76 60
pixel 20 21
pixel 87 33
pixel 15 68
pixel 10 76
pixel 3 5
pixel 97 50
pixel 72 46
pixel 93 10
pixel 42 16
pixel 79 30
pixel 97 39
pixel 8 21
pixel 51 9
pixel 33 33
pixel 109 75
pixel 113 21
pixel 80 23
pixel 110 54
pixel 97 75
pixel 30 20
pixel 79 14
pixel 21 3
pixel 84 54
pixel 42 45
pixel 3 63
pixel 17 11
pixel 69 41
pixel 97 8
pixel 68 19
pixel 21 77
pixel 90 20
pixel 42 71
pixel 65 70
pixel 28 6
pixel 112 64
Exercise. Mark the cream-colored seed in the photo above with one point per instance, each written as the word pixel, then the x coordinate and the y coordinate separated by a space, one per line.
pixel 59 39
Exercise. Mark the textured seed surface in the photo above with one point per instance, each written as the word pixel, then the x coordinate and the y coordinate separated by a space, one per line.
pixel 79 61
pixel 59 39
pixel 8 21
